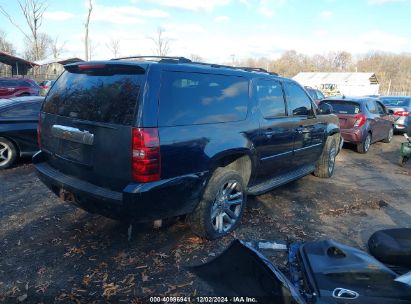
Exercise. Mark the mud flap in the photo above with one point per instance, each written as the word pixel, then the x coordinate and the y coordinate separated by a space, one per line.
pixel 243 271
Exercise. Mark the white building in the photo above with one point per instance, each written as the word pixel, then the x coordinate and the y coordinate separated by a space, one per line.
pixel 349 84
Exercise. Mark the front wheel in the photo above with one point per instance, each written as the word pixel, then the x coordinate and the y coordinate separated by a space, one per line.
pixel 326 165
pixel 8 153
pixel 221 207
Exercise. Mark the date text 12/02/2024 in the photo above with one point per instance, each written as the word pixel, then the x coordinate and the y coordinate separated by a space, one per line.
pixel 200 299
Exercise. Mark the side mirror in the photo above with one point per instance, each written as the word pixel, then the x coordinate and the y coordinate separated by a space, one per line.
pixel 325 108
pixel 391 112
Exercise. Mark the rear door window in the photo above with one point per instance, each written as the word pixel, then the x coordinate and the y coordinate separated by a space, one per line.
pixel 298 101
pixel 270 98
pixel 100 97
pixel 197 98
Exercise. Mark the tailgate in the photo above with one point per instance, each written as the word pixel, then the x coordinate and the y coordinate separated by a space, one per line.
pixel 87 120
pixel 347 121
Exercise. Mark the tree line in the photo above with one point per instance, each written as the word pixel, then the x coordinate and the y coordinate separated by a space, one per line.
pixel 392 70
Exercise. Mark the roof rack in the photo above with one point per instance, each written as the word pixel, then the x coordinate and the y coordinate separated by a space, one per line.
pixel 170 59
pixel 163 59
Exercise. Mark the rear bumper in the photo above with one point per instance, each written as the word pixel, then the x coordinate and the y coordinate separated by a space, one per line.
pixel 136 203
pixel 354 135
pixel 402 123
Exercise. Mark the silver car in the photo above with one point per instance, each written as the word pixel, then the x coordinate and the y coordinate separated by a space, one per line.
pixel 401 107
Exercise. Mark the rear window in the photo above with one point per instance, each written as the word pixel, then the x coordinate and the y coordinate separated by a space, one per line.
pixel 344 107
pixel 196 98
pixel 393 102
pixel 96 97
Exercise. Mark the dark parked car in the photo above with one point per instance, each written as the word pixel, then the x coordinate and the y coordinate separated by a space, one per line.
pixel 363 121
pixel 401 107
pixel 14 87
pixel 18 128
pixel 315 94
pixel 142 140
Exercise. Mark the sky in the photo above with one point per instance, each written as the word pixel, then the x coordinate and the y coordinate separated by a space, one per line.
pixel 223 30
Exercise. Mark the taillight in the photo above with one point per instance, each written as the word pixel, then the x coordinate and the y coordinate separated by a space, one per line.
pixel 402 113
pixel 360 120
pixel 146 162
pixel 91 66
pixel 39 131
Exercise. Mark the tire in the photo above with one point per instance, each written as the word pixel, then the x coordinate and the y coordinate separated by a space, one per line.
pixel 364 147
pixel 392 246
pixel 390 135
pixel 216 215
pixel 326 164
pixel 8 153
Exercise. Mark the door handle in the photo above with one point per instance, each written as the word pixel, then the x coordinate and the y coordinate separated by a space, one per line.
pixel 72 134
pixel 299 130
pixel 269 133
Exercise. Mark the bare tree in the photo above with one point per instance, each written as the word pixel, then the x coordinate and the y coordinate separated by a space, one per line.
pixel 342 60
pixel 92 47
pixel 33 11
pixel 114 46
pixel 195 57
pixel 86 26
pixel 161 44
pixel 56 47
pixel 5 45
pixel 37 50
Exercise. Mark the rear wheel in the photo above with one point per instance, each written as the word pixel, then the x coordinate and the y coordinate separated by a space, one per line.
pixel 364 147
pixel 326 164
pixel 222 205
pixel 8 153
pixel 390 135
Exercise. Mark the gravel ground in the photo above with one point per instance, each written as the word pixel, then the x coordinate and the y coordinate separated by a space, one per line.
pixel 51 251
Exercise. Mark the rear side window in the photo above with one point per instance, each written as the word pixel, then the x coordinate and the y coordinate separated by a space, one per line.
pixel 344 107
pixel 270 98
pixel 372 107
pixel 95 97
pixel 196 98
pixel 298 100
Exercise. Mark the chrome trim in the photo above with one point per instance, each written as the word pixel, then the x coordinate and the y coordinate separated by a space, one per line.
pixel 72 134
pixel 347 294
pixel 276 155
pixel 312 146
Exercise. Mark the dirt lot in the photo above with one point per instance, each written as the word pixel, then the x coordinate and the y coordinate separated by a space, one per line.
pixel 51 251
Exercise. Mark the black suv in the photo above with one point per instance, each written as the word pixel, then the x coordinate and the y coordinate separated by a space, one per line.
pixel 141 140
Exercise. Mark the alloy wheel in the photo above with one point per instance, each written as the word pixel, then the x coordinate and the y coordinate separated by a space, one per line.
pixel 367 143
pixel 5 153
pixel 227 206
pixel 331 161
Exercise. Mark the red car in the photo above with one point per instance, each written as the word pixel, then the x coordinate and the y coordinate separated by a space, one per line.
pixel 363 121
pixel 14 87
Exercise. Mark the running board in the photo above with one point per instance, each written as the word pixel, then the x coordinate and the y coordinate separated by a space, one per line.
pixel 280 180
